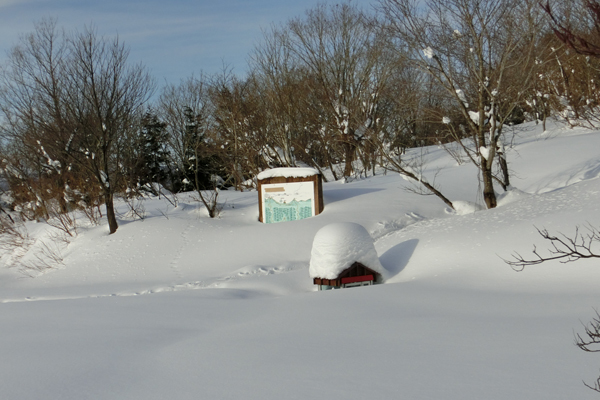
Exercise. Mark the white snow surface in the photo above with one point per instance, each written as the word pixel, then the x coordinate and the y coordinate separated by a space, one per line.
pixel 288 172
pixel 466 207
pixel 181 306
pixel 339 245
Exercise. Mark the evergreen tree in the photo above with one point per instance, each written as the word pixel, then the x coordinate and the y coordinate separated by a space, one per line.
pixel 198 165
pixel 154 157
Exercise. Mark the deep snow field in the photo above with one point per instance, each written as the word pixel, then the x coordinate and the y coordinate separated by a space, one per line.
pixel 181 306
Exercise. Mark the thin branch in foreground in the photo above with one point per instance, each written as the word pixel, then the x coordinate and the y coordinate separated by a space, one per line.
pixel 562 247
pixel 590 342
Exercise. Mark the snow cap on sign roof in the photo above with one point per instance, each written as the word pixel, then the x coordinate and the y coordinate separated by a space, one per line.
pixel 292 172
pixel 339 245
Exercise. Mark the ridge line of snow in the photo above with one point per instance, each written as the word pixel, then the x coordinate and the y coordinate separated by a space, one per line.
pixel 194 285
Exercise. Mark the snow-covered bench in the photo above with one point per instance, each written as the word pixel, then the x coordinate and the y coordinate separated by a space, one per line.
pixel 343 255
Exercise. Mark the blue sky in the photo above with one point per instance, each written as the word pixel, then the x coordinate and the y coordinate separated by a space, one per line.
pixel 174 39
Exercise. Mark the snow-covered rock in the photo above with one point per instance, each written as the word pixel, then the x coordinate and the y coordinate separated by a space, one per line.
pixel 339 245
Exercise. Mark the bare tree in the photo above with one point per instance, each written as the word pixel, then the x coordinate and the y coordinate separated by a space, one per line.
pixel 282 92
pixel 31 101
pixel 482 54
pixel 583 39
pixel 104 98
pixel 202 164
pixel 70 101
pixel 181 106
pixel 340 47
pixel 573 74
pixel 189 113
pixel 400 121
pixel 238 128
pixel 340 92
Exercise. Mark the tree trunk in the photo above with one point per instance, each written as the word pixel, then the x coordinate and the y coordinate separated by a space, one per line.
pixel 335 177
pixel 349 150
pixel 110 213
pixel 62 202
pixel 489 196
pixel 505 173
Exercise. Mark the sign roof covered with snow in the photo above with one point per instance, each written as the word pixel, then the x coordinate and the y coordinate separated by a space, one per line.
pixel 339 245
pixel 292 172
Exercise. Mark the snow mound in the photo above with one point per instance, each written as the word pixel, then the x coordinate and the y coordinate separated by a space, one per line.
pixel 339 245
pixel 287 173
pixel 511 195
pixel 466 207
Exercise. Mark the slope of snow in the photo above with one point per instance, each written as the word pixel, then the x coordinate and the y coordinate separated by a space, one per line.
pixel 179 305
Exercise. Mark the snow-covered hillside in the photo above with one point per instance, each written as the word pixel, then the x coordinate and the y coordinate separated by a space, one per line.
pixel 182 306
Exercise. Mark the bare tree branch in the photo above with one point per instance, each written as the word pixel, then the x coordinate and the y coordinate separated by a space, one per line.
pixel 589 341
pixel 568 35
pixel 562 247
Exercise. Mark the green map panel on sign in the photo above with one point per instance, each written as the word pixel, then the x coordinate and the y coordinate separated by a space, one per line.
pixel 294 210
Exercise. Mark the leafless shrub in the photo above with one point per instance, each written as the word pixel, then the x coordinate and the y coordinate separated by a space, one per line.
pixel 63 221
pixel 209 199
pixel 163 193
pixel 46 255
pixel 92 212
pixel 32 257
pixel 172 199
pixel 13 234
pixel 136 209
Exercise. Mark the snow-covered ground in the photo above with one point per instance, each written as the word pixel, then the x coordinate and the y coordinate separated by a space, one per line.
pixel 182 306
